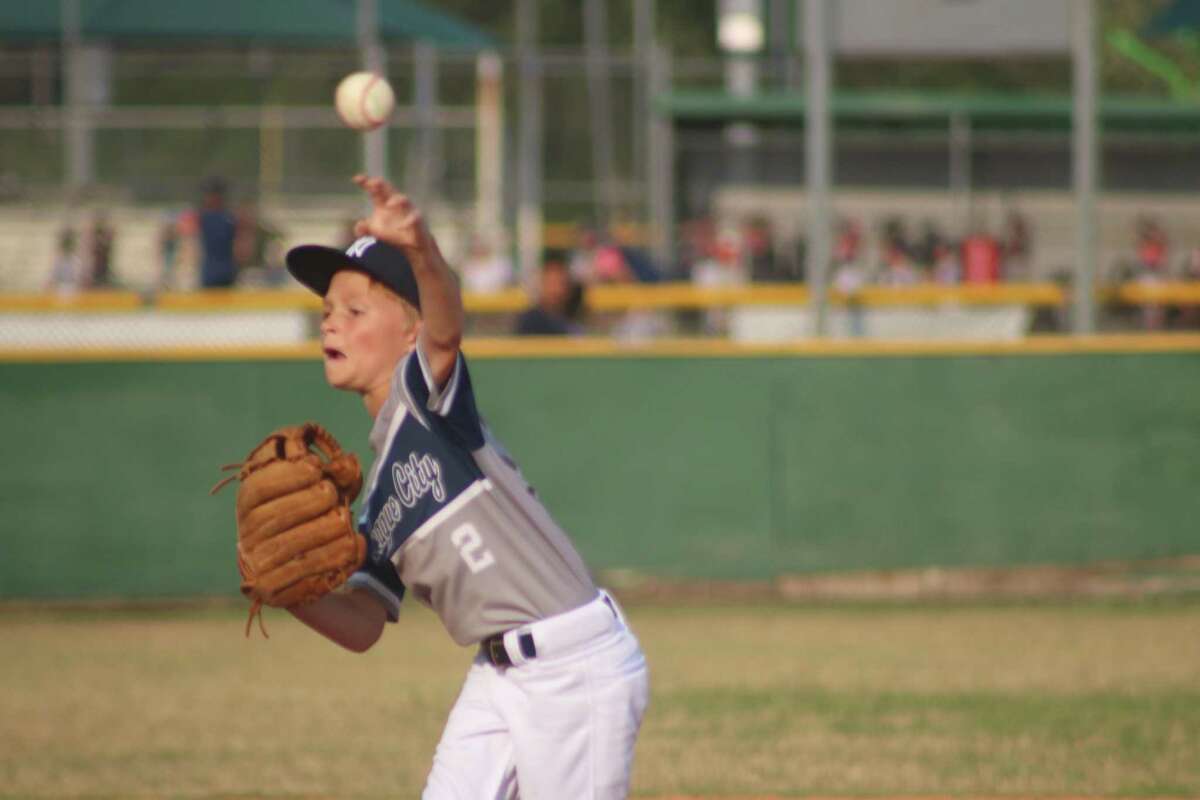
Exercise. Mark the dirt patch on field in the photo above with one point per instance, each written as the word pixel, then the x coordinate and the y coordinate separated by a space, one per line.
pixel 1110 579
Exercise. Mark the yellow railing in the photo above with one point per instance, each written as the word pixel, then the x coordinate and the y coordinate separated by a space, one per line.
pixel 623 297
pixel 1171 294
pixel 586 347
pixel 238 300
pixel 77 302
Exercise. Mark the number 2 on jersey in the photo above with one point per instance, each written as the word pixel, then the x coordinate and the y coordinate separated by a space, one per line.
pixel 470 546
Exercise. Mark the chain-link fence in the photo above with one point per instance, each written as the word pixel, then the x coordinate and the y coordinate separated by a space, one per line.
pixel 939 198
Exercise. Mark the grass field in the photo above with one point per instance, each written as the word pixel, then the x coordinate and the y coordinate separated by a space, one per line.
pixel 1021 700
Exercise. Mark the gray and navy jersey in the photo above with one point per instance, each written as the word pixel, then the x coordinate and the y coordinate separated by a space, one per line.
pixel 449 517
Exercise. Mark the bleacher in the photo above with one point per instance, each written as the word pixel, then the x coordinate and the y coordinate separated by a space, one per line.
pixel 28 234
pixel 1051 217
pixel 28 239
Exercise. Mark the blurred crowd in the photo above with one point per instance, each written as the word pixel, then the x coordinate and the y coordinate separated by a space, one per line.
pixel 1154 263
pixel 217 245
pixel 83 258
pixel 932 256
pixel 213 243
pixel 712 255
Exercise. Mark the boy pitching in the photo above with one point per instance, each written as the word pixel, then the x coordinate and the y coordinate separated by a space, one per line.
pixel 553 701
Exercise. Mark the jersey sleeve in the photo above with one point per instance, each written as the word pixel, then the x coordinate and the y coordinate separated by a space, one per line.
pixel 453 406
pixel 382 581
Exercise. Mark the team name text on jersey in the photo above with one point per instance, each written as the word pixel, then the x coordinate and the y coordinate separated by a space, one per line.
pixel 412 480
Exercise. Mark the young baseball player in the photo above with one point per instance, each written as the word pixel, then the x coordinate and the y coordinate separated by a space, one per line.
pixel 553 701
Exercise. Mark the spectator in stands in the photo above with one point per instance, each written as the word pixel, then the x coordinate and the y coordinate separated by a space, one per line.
pixel 897 268
pixel 1152 246
pixel 485 270
pixel 550 316
pixel 981 257
pixel 256 248
pixel 246 248
pixel 66 271
pixel 1151 269
pixel 608 262
pixel 576 307
pixel 598 257
pixel 722 265
pixel 847 247
pixel 168 252
pixel 218 229
pixel 1190 270
pixel 758 244
pixel 581 261
pixel 1189 315
pixel 799 254
pixel 925 251
pixel 695 241
pixel 946 270
pixel 639 264
pixel 1016 247
pixel 641 267
pixel 849 278
pixel 636 266
pixel 895 237
pixel 100 246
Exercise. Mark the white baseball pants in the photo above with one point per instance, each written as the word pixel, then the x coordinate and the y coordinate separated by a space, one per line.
pixel 560 726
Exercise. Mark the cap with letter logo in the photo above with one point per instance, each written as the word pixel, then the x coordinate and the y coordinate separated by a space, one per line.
pixel 314 265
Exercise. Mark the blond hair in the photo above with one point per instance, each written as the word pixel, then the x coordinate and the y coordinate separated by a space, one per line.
pixel 410 311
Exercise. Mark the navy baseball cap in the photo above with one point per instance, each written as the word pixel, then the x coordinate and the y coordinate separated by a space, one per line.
pixel 315 264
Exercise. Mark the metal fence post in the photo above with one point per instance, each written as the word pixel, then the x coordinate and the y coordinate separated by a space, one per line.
pixel 818 157
pixel 1084 160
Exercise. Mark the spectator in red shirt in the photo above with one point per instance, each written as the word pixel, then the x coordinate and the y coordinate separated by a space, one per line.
pixel 980 258
pixel 1152 269
pixel 1151 245
pixel 849 241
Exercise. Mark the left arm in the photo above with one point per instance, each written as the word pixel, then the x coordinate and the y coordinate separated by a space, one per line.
pixel 353 618
pixel 396 220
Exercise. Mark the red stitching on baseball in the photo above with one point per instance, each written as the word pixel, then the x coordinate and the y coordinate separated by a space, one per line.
pixel 362 102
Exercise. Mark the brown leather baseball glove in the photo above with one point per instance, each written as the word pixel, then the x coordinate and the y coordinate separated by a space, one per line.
pixel 295 538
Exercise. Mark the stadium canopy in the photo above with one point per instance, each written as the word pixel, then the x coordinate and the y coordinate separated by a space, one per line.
pixel 296 22
pixel 1179 16
pixel 898 111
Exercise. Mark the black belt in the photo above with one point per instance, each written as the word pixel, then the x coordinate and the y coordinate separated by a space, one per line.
pixel 494 651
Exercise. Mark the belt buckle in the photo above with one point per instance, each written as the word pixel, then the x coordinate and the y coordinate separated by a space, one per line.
pixel 497 653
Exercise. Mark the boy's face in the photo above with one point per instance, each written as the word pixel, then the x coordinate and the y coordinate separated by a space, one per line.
pixel 555 286
pixel 365 331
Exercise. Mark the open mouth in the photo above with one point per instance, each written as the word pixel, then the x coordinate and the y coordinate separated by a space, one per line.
pixel 333 354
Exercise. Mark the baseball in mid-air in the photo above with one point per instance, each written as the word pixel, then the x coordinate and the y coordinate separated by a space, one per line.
pixel 364 100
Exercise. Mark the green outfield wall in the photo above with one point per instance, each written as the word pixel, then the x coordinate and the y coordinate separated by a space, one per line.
pixel 714 467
